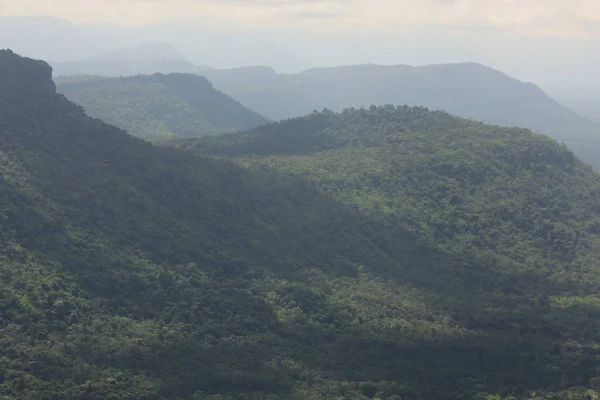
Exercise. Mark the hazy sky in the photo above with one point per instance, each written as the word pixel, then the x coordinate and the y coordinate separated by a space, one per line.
pixel 557 18
pixel 554 42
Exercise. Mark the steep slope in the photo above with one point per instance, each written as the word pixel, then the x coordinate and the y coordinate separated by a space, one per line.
pixel 155 275
pixel 161 105
pixel 520 209
pixel 162 275
pixel 468 90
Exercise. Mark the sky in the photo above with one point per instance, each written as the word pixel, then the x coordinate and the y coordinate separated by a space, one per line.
pixel 555 18
pixel 551 42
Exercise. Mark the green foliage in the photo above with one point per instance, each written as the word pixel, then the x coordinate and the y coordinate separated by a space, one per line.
pixel 397 254
pixel 468 90
pixel 499 234
pixel 160 105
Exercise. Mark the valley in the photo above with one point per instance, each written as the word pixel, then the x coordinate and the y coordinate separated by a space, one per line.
pixel 468 90
pixel 382 252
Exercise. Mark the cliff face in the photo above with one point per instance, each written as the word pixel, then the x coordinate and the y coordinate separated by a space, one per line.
pixel 30 78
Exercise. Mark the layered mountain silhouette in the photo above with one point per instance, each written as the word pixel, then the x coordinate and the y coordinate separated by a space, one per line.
pixel 159 105
pixel 468 90
pixel 388 252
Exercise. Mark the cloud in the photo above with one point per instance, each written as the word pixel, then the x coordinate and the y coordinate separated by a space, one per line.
pixel 555 18
pixel 310 15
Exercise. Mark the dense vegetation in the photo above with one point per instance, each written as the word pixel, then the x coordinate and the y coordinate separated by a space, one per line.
pixel 160 105
pixel 468 90
pixel 385 253
pixel 507 251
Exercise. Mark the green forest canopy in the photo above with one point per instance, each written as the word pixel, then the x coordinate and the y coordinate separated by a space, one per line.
pixel 498 195
pixel 469 90
pixel 384 253
pixel 159 105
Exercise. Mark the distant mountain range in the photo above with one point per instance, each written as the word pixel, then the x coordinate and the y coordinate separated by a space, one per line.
pixel 469 90
pixel 159 105
pixel 381 253
pixel 145 59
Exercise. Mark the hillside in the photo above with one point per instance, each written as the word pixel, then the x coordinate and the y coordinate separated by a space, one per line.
pixel 516 213
pixel 160 105
pixel 421 257
pixel 468 90
pixel 156 275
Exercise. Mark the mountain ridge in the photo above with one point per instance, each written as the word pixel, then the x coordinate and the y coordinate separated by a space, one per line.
pixel 157 105
pixel 469 90
pixel 402 253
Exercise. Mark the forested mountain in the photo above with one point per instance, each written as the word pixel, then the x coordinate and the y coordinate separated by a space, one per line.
pixel 384 253
pixel 468 90
pixel 150 106
pixel 499 230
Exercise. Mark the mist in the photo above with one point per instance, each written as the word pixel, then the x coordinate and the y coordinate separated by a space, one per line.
pixel 546 61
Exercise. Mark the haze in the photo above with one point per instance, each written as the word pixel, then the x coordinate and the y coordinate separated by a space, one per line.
pixel 553 43
pixel 388 199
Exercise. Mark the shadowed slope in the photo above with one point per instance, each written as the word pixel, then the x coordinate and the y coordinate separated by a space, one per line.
pixel 385 271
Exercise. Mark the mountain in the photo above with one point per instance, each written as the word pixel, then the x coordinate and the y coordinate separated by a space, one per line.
pixel 131 271
pixel 584 100
pixel 160 105
pixel 509 219
pixel 468 90
pixel 421 256
pixel 148 58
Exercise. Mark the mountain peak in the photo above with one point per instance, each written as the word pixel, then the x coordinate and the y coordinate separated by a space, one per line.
pixel 22 76
pixel 161 105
